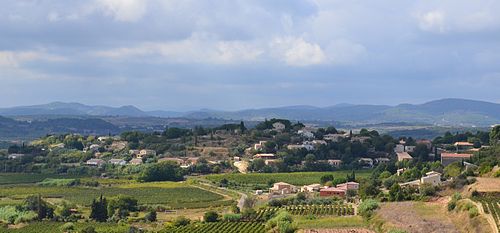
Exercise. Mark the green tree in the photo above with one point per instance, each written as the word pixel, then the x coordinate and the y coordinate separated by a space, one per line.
pixel 150 216
pixel 495 135
pixel 98 210
pixel 181 221
pixel 164 171
pixel 211 216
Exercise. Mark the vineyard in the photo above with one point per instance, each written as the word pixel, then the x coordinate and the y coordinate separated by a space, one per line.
pixel 492 206
pixel 317 210
pixel 295 178
pixel 219 227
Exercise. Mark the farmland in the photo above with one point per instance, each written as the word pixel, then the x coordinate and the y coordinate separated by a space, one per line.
pixel 38 227
pixel 296 178
pixel 491 205
pixel 174 195
pixel 20 178
pixel 316 210
pixel 219 227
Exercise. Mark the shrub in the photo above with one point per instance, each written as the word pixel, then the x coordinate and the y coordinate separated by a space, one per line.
pixel 181 221
pixel 150 216
pixel 68 227
pixel 211 216
pixel 231 217
pixel 473 212
pixel 89 229
pixel 367 207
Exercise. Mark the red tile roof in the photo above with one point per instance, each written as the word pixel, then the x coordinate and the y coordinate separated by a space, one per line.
pixel 455 155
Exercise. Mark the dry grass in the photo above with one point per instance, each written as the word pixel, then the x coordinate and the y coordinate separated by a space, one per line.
pixel 485 184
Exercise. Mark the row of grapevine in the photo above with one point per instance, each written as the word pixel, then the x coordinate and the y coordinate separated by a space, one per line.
pixel 492 206
pixel 334 209
pixel 219 227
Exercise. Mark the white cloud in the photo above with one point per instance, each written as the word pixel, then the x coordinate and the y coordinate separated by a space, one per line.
pixel 342 51
pixel 11 59
pixel 433 21
pixel 297 52
pixel 124 10
pixel 198 49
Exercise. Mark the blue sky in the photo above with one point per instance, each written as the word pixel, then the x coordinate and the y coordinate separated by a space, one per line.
pixel 184 55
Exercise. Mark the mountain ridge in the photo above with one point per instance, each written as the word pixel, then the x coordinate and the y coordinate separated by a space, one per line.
pixel 449 111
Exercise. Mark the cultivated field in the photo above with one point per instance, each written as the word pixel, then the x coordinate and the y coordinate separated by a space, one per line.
pixel 486 185
pixel 54 227
pixel 20 178
pixel 219 227
pixel 295 178
pixel 174 195
pixel 339 230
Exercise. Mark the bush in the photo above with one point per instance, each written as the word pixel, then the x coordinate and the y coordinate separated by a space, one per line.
pixel 211 216
pixel 89 229
pixel 231 217
pixel 473 212
pixel 12 215
pixel 367 207
pixel 451 205
pixel 282 222
pixel 150 216
pixel 68 227
pixel 181 221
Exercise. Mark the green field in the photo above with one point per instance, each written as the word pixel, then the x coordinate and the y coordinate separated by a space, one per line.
pixel 23 178
pixel 175 195
pixel 296 178
pixel 55 227
pixel 330 222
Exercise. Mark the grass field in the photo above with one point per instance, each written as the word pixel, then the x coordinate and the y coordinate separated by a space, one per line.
pixel 296 178
pixel 23 178
pixel 175 195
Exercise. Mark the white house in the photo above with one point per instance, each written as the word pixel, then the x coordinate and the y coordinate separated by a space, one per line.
pixel 118 162
pixel 281 188
pixel 146 153
pixel 305 133
pixel 15 156
pixel 95 162
pixel 382 160
pixel 335 162
pixel 433 178
pixel 259 146
pixel 310 188
pixel 366 162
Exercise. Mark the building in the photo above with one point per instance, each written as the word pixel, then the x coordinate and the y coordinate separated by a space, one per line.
pixel 462 146
pixel 402 156
pixel 426 142
pixel 382 160
pixel 136 161
pixel 118 162
pixel 146 153
pixel 449 158
pixel 278 126
pixel 332 191
pixel 133 152
pixel 319 142
pixel 282 188
pixel 361 139
pixel 335 162
pixel 305 133
pixel 310 188
pixel 334 137
pixel 271 161
pixel 305 145
pixel 264 156
pixel 433 178
pixel 349 186
pixel 410 148
pixel 259 146
pixel 400 148
pixel 175 160
pixel 366 162
pixel 95 162
pixel 15 156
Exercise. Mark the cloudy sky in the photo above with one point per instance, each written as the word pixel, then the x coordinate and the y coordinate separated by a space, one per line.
pixel 184 55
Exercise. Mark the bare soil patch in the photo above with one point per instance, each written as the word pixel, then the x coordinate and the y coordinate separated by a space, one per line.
pixel 486 184
pixel 417 217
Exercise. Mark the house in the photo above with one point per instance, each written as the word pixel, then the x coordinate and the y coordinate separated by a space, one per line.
pixel 264 156
pixel 361 139
pixel 426 142
pixel 259 146
pixel 382 160
pixel 94 147
pixel 410 148
pixel 332 191
pixel 433 178
pixel 176 160
pixel 146 153
pixel 334 137
pixel 305 145
pixel 120 162
pixel 400 171
pixel 400 148
pixel 366 162
pixel 318 142
pixel 349 186
pixel 278 126
pixel 136 161
pixel 402 156
pixel 449 158
pixel 95 162
pixel 15 156
pixel 462 146
pixel 282 188
pixel 271 161
pixel 236 158
pixel 335 162
pixel 259 192
pixel 192 161
pixel 310 188
pixel 305 133
pixel 133 152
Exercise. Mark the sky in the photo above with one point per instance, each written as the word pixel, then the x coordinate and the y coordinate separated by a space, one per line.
pixel 235 54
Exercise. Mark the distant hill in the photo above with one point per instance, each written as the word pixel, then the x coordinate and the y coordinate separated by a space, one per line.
pixel 446 112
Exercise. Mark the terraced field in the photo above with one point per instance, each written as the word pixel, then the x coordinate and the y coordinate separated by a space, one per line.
pixel 219 227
